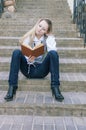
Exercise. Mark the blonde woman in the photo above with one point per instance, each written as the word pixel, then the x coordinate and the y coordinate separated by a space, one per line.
pixel 39 67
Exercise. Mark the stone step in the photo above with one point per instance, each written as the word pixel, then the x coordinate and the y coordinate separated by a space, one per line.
pixel 43 6
pixel 61 42
pixel 30 23
pixel 78 52
pixel 70 42
pixel 60 2
pixel 42 3
pixel 57 27
pixel 43 104
pixel 19 33
pixel 28 85
pixel 34 95
pixel 66 65
pixel 48 10
pixel 69 82
pixel 19 15
pixel 64 68
pixel 32 122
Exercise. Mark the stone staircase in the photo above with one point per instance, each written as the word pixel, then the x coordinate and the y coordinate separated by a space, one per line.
pixel 34 97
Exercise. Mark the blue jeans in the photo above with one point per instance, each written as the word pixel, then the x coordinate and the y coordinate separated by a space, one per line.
pixel 40 70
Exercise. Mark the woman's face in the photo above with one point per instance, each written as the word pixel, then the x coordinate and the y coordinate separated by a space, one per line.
pixel 41 28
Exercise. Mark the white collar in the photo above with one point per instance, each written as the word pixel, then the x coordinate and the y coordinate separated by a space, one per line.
pixel 36 39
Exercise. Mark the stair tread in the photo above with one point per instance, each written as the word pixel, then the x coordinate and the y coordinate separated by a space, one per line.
pixel 39 100
pixel 57 38
pixel 61 60
pixel 42 103
pixel 58 48
pixel 45 98
pixel 68 76
pixel 41 122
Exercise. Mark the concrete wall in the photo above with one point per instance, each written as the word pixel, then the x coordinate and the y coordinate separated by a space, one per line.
pixel 70 2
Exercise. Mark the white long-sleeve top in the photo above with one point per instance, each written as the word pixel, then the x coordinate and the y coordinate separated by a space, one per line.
pixel 50 43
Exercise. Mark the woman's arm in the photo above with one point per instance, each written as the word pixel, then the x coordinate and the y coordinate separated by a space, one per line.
pixel 51 43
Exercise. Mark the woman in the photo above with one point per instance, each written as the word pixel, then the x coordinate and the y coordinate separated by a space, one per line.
pixel 38 67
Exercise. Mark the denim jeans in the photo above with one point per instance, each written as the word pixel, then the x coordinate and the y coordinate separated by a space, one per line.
pixel 39 70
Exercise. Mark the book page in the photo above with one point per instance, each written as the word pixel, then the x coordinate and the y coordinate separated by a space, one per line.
pixel 37 46
pixel 37 51
pixel 27 46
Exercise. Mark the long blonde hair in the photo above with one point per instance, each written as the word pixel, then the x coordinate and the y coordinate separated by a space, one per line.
pixel 31 33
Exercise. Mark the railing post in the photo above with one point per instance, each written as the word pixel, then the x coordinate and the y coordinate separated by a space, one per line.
pixel 74 11
pixel 79 17
pixel 1 7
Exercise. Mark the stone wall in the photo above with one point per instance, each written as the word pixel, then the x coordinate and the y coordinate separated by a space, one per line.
pixel 10 5
pixel 70 2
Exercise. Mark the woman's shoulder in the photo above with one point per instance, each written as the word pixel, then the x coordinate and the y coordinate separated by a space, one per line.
pixel 50 37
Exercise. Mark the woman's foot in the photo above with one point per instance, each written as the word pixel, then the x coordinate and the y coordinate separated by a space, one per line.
pixel 11 92
pixel 56 92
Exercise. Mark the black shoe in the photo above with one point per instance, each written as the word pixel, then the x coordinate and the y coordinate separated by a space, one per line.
pixel 56 92
pixel 14 89
pixel 11 92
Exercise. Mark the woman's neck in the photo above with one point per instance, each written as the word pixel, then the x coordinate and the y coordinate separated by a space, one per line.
pixel 38 36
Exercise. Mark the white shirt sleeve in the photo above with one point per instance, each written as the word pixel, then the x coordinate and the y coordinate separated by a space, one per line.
pixel 51 43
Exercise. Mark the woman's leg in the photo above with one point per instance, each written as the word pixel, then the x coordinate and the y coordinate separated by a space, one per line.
pixel 17 61
pixel 50 64
pixel 54 70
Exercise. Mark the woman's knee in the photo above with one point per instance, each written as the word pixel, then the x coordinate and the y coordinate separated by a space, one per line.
pixel 17 52
pixel 53 53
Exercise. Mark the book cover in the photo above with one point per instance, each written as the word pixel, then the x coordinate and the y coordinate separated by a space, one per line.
pixel 36 51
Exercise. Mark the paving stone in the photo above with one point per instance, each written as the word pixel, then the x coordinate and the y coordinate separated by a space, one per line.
pixel 16 127
pixel 41 122
pixel 81 127
pixel 68 127
pixel 27 127
pixel 39 98
pixel 48 127
pixel 59 127
pixel 38 127
pixel 46 97
pixel 5 127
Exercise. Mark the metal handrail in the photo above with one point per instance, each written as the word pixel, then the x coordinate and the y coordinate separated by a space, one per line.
pixel 79 17
pixel 1 7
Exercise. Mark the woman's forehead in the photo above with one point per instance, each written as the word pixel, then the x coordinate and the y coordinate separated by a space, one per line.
pixel 44 23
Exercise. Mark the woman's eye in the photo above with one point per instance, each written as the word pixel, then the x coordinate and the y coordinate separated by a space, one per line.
pixel 39 25
pixel 44 29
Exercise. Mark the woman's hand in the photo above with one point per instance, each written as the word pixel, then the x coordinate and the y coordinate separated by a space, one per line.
pixel 31 58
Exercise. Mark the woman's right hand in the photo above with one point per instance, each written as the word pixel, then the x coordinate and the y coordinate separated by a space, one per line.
pixel 31 58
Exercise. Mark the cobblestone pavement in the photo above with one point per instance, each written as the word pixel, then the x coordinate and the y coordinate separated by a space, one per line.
pixel 41 123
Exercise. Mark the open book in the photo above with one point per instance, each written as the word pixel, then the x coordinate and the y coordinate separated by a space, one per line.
pixel 36 51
